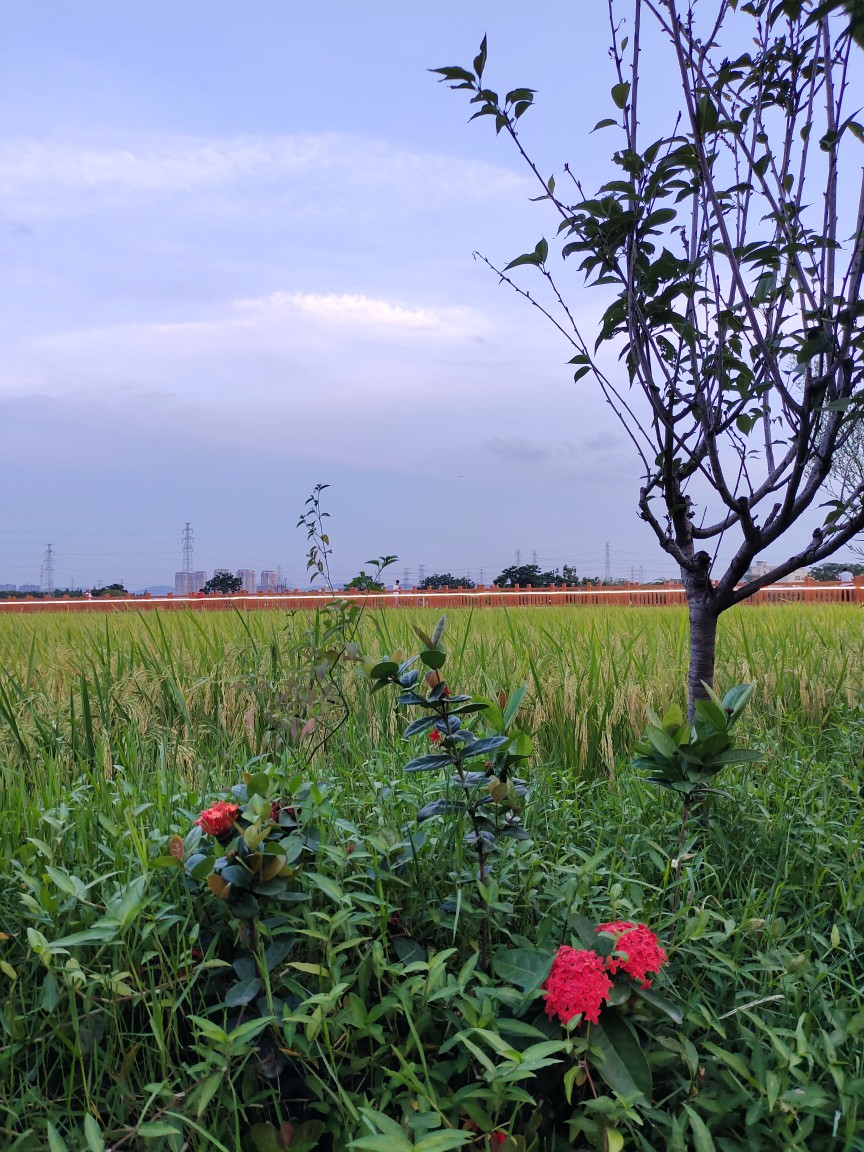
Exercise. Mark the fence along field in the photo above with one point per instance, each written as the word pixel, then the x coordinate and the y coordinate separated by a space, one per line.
pixel 627 595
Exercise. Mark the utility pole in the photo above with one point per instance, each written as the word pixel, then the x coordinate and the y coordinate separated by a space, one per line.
pixel 188 540
pixel 607 571
pixel 48 570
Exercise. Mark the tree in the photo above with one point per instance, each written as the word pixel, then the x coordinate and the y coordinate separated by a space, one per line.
pixel 526 576
pixel 827 572
pixel 222 582
pixel 110 590
pixel 733 289
pixel 445 580
pixel 364 583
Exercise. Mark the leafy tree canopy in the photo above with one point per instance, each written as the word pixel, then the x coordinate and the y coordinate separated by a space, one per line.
pixel 362 582
pixel 110 589
pixel 527 576
pixel 445 580
pixel 832 571
pixel 223 582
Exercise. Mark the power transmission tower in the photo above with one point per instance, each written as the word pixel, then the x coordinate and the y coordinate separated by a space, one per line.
pixel 518 557
pixel 482 580
pixel 405 577
pixel 421 573
pixel 48 570
pixel 188 540
pixel 534 556
pixel 607 571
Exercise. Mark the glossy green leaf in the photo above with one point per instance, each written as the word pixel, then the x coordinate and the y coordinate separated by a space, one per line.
pixel 620 1059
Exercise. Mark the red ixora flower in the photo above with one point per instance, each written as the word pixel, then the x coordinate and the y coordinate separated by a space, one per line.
pixel 496 1139
pixel 644 953
pixel 434 736
pixel 578 983
pixel 218 819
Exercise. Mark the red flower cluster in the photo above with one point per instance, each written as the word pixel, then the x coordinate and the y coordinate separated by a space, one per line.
pixel 577 984
pixel 434 736
pixel 641 946
pixel 219 819
pixel 496 1139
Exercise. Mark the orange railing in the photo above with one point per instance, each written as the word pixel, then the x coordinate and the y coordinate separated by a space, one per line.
pixel 629 595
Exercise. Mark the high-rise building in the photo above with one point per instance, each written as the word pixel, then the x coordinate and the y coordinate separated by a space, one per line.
pixel 181 583
pixel 269 580
pixel 247 575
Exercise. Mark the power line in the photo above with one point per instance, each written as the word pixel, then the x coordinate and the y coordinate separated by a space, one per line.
pixel 47 580
pixel 188 541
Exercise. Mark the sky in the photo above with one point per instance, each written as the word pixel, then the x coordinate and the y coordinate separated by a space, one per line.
pixel 238 243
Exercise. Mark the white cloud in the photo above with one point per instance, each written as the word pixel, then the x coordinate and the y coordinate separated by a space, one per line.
pixel 36 175
pixel 279 323
pixel 351 309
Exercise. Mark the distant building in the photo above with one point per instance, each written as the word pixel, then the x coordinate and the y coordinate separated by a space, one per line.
pixel 8 588
pixel 187 583
pixel 269 580
pixel 759 569
pixel 796 577
pixel 29 588
pixel 247 575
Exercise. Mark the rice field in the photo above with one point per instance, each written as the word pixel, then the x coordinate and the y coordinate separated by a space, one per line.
pixel 116 730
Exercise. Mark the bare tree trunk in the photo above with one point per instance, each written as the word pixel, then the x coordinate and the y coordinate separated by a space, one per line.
pixel 703 636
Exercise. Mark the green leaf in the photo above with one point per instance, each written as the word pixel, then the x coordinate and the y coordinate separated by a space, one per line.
pixel 484 747
pixel 513 704
pixel 265 1138
pixel 93 1135
pixel 439 808
pixel 443 1141
pixel 421 725
pixel 153 1128
pixel 428 763
pixel 328 886
pixel 384 670
pixel 257 785
pixel 659 1002
pixel 702 1138
pixel 662 741
pixel 56 1143
pixel 480 59
pixel 527 968
pixel 379 1143
pixel 621 1061
pixel 604 124
pixel 620 92
pixel 243 992
pixel 433 658
pixel 714 716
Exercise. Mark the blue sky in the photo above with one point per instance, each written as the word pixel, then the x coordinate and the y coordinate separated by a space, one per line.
pixel 238 246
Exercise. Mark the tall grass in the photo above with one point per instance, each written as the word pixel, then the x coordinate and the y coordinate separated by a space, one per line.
pixel 113 729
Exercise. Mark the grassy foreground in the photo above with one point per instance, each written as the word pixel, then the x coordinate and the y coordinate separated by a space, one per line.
pixel 115 732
